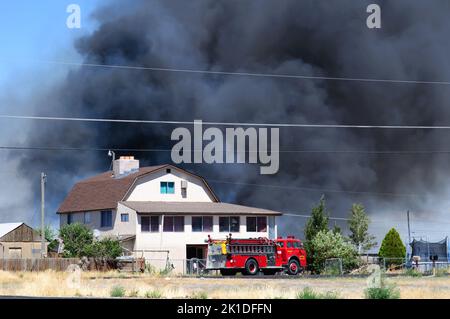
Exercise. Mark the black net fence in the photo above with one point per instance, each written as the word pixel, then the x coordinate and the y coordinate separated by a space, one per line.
pixel 428 251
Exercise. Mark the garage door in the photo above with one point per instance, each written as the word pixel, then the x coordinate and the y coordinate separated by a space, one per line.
pixel 15 253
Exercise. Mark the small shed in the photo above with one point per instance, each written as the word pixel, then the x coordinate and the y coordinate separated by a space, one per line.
pixel 18 240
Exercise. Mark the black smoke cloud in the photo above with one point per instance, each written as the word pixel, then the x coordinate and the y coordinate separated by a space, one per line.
pixel 317 38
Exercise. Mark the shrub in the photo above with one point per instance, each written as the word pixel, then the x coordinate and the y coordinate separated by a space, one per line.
pixel 154 294
pixel 387 292
pixel 328 244
pixel 117 292
pixel 165 271
pixel 106 248
pixel 150 269
pixel 133 294
pixel 412 272
pixel 199 295
pixel 308 293
pixel 384 291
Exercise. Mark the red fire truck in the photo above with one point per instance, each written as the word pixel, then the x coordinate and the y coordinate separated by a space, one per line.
pixel 252 255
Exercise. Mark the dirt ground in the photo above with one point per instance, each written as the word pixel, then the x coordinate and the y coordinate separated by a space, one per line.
pixel 89 284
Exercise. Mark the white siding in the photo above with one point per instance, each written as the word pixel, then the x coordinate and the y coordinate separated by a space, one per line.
pixel 118 227
pixel 147 188
pixel 176 241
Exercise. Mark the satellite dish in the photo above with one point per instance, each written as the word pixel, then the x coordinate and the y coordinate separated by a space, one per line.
pixel 96 233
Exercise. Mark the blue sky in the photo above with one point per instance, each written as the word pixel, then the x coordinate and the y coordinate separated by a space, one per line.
pixel 36 30
pixel 31 31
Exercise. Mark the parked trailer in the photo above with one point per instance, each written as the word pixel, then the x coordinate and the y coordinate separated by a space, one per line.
pixel 252 255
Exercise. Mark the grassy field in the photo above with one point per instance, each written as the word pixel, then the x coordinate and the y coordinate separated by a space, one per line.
pixel 89 284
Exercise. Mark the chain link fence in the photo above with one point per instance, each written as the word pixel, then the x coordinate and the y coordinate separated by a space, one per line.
pixel 195 267
pixel 333 267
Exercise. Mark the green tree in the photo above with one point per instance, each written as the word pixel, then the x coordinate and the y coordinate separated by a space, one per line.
pixel 77 239
pixel 316 223
pixel 337 229
pixel 359 229
pixel 392 247
pixel 329 244
pixel 318 220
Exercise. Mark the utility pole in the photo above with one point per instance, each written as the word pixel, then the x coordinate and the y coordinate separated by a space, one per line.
pixel 43 179
pixel 113 155
pixel 409 234
pixel 409 229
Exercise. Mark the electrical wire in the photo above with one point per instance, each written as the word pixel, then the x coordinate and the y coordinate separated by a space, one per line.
pixel 296 125
pixel 244 74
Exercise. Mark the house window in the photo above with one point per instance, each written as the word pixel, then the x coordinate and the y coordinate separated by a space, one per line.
pixel 106 219
pixel 87 218
pixel 229 224
pixel 150 224
pixel 69 219
pixel 124 218
pixel 173 224
pixel 167 187
pixel 261 223
pixel 257 224
pixel 202 223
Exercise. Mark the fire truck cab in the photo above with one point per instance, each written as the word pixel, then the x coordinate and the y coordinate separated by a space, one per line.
pixel 254 255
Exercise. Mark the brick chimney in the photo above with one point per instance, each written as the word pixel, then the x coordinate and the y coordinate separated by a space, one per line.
pixel 125 165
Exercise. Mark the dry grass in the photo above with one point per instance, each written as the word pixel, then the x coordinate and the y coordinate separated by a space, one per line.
pixel 92 284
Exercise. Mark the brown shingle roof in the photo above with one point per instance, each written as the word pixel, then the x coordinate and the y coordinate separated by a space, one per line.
pixel 190 208
pixel 104 192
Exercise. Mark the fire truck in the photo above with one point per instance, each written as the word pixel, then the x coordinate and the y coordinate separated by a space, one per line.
pixel 254 255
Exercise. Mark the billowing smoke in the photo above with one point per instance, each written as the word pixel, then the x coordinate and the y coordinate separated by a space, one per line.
pixel 304 37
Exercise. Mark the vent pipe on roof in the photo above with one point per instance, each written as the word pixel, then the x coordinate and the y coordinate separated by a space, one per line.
pixel 125 165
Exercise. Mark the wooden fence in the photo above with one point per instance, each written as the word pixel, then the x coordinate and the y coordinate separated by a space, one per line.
pixel 37 264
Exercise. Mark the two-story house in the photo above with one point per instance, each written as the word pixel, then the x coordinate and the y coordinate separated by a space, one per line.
pixel 160 210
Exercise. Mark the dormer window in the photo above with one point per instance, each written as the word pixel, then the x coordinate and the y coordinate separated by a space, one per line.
pixel 167 188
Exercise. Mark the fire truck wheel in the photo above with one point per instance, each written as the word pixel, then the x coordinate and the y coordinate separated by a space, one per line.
pixel 293 267
pixel 228 272
pixel 251 267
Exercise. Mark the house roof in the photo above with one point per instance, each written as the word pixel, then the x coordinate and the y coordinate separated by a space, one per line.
pixel 104 192
pixel 6 228
pixel 191 208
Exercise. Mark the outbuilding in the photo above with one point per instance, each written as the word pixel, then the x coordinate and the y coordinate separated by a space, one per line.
pixel 18 240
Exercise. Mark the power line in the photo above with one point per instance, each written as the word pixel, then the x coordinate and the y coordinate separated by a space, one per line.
pixel 325 190
pixel 371 226
pixel 308 216
pixel 304 215
pixel 246 74
pixel 336 126
pixel 105 149
pixel 309 189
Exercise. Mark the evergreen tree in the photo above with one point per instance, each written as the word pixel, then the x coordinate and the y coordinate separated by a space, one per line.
pixel 392 248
